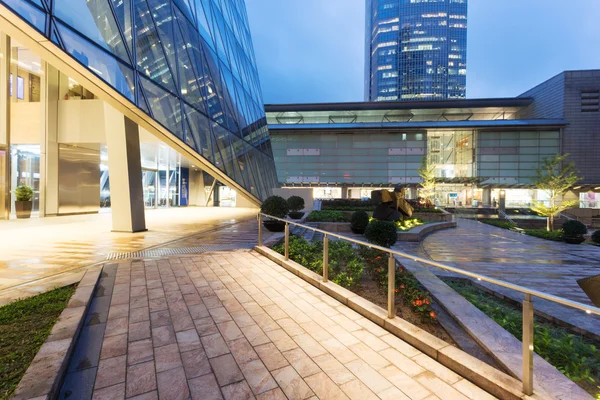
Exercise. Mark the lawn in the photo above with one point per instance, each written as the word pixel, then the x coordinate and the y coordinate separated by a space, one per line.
pixel 24 326
pixel 574 355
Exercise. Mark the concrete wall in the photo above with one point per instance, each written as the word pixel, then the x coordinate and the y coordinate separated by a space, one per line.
pixel 305 193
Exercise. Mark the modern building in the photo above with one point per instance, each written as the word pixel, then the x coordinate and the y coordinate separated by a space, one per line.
pixel 479 147
pixel 415 50
pixel 130 104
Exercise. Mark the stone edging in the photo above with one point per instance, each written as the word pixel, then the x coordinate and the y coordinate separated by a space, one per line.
pixel 486 377
pixel 43 378
pixel 417 233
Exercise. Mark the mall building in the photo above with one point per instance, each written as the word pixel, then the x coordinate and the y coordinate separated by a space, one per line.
pixel 127 105
pixel 480 147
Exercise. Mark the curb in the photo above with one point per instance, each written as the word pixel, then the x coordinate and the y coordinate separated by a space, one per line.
pixel 43 378
pixel 481 374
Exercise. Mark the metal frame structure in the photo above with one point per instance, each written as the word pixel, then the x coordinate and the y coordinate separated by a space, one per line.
pixel 528 313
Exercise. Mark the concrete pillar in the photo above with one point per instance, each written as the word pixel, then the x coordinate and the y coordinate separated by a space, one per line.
pixel 125 169
pixel 344 192
pixel 486 197
pixel 49 144
pixel 197 193
pixel 4 126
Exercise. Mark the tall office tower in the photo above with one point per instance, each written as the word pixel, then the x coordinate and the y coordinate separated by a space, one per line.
pixel 415 50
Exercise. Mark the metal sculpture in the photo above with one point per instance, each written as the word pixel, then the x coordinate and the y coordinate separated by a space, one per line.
pixel 392 205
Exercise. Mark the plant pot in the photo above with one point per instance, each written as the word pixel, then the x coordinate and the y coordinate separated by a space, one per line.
pixel 296 214
pixel 274 226
pixel 23 209
pixel 573 239
pixel 591 287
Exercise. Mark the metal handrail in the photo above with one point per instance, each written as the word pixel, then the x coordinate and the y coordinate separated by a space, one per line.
pixel 504 215
pixel 527 303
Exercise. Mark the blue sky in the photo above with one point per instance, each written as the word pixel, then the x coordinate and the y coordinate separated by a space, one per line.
pixel 313 50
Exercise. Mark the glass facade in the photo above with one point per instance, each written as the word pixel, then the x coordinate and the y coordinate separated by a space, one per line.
pixel 188 64
pixel 416 50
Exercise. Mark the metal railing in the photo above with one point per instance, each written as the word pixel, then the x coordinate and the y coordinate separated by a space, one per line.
pixel 504 215
pixel 391 307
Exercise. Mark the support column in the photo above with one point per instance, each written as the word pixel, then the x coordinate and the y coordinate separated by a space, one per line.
pixel 486 198
pixel 49 148
pixel 344 192
pixel 125 171
pixel 5 126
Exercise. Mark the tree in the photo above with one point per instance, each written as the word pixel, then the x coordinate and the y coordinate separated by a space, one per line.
pixel 555 176
pixel 427 173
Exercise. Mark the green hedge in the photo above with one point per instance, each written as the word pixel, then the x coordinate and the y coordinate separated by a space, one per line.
pixel 555 236
pixel 326 216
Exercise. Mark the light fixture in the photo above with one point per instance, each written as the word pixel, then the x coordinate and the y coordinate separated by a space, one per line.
pixel 577 187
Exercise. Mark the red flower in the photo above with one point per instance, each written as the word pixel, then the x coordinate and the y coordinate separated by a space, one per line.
pixel 419 303
pixel 432 314
pixel 396 290
pixel 401 286
pixel 427 301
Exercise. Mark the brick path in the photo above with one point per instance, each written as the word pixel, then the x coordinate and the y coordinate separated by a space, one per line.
pixel 235 325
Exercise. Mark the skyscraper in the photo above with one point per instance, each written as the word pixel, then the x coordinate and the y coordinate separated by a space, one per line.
pixel 415 50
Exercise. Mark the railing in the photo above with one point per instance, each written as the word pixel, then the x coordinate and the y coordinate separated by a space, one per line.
pixel 504 215
pixel 528 293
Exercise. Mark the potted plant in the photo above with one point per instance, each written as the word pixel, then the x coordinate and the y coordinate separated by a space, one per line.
pixel 295 204
pixel 274 206
pixel 573 232
pixel 23 203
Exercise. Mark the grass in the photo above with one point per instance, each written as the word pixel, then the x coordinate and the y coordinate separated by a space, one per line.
pixel 555 236
pixel 574 355
pixel 24 326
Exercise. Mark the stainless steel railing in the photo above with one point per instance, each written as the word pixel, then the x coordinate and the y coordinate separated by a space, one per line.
pixel 527 301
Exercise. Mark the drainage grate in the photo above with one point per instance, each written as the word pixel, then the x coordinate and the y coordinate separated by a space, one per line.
pixel 178 250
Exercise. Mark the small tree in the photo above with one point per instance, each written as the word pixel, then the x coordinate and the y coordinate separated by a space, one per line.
pixel 427 173
pixel 555 176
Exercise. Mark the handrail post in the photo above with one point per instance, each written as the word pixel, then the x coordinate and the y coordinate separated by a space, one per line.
pixel 287 241
pixel 527 345
pixel 391 286
pixel 325 258
pixel 260 232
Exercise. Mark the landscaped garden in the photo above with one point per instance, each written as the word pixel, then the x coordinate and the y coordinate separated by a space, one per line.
pixel 556 236
pixel 24 326
pixel 574 355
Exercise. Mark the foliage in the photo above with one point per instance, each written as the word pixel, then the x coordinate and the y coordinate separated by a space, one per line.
pixel 359 222
pixel 498 223
pixel 382 233
pixel 555 176
pixel 295 203
pixel 406 286
pixel 555 236
pixel 427 174
pixel 348 205
pixel 574 355
pixel 431 210
pixel 408 224
pixel 23 193
pixel 275 206
pixel 596 237
pixel 573 228
pixel 326 216
pixel 24 326
pixel 345 266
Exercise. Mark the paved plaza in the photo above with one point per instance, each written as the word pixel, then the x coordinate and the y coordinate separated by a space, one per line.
pixel 235 325
pixel 41 253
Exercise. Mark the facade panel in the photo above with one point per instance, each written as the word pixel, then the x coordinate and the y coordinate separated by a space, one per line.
pixel 189 65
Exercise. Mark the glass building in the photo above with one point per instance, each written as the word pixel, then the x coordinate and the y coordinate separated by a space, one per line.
pixel 415 50
pixel 182 71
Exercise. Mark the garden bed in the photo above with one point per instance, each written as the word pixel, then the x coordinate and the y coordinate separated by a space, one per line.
pixel 364 272
pixel 555 236
pixel 574 355
pixel 24 326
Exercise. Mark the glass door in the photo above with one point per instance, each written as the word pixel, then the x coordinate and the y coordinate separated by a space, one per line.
pixel 149 185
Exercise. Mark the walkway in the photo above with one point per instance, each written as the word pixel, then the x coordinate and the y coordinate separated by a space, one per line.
pixel 41 253
pixel 235 325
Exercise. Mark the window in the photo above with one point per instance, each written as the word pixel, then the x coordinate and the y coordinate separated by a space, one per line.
pixel 590 100
pixel 20 88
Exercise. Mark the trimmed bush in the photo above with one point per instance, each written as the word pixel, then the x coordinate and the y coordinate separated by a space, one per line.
pixel 23 193
pixel 382 233
pixel 596 237
pixel 348 205
pixel 573 228
pixel 359 222
pixel 275 206
pixel 326 216
pixel 295 203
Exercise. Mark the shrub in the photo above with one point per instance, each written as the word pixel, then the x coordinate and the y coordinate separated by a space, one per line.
pixel 348 205
pixel 573 228
pixel 408 224
pixel 544 234
pixel 24 193
pixel 295 203
pixel 326 216
pixel 596 237
pixel 382 233
pixel 359 222
pixel 275 206
pixel 499 224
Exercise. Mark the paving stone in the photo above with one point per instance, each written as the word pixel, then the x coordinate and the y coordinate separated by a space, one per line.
pixel 141 378
pixel 163 335
pixel 334 369
pixel 139 331
pixel 257 376
pixel 356 390
pixel 166 358
pixel 139 315
pixel 172 385
pixel 214 345
pixel 114 346
pixel 205 388
pixel 195 363
pixel 226 370
pixel 139 352
pixel 239 390
pixel 324 387
pixel 110 372
pixel 303 364
pixel 275 394
pixel 242 351
pixel 291 383
pixel 188 340
pixel 271 357
pixel 115 392
pixel 206 326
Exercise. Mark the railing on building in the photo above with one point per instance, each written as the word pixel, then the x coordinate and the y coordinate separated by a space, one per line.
pixel 527 340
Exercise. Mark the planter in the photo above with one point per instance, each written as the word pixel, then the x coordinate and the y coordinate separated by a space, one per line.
pixel 573 239
pixel 591 287
pixel 296 214
pixel 274 226
pixel 23 209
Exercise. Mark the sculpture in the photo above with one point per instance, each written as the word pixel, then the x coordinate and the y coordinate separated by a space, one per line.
pixel 393 205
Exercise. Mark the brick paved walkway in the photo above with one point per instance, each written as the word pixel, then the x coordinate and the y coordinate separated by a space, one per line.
pixel 235 325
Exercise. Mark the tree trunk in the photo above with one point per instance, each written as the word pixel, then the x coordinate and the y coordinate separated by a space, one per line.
pixel 551 223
